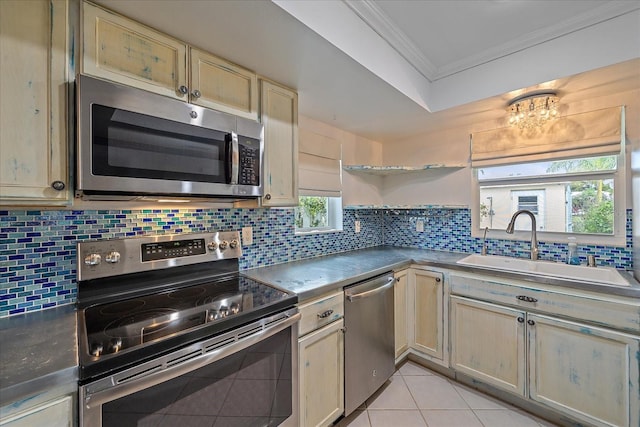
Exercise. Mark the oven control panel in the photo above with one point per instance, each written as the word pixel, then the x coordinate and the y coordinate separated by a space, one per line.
pixel 104 258
pixel 173 249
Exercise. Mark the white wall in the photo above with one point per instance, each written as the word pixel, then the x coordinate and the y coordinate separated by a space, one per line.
pixel 452 146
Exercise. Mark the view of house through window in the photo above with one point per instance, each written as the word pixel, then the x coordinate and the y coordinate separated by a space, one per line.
pixel 566 196
pixel 316 213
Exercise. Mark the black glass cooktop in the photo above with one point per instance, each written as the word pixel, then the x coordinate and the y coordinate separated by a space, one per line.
pixel 117 328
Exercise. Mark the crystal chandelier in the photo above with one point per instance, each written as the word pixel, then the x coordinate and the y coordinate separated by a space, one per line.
pixel 532 110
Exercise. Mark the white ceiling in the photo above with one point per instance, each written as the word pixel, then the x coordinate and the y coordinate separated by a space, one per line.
pixel 388 69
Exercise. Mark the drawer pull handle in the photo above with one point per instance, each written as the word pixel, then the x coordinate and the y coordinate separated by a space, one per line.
pixel 325 314
pixel 526 298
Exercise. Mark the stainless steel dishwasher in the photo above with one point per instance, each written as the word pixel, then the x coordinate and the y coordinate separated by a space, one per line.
pixel 369 338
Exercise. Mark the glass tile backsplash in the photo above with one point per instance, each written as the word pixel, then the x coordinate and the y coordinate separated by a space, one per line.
pixel 38 248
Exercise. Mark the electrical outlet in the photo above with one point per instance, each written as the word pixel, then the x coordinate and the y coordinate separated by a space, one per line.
pixel 357 226
pixel 247 235
pixel 420 225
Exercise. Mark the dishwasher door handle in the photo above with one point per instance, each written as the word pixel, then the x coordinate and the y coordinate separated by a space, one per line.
pixel 352 297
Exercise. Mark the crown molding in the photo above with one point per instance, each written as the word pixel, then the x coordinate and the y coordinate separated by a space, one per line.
pixel 379 22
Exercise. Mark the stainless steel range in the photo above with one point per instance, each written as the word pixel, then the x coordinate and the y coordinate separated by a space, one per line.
pixel 171 333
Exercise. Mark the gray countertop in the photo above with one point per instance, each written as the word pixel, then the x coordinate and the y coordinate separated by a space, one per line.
pixel 316 276
pixel 39 350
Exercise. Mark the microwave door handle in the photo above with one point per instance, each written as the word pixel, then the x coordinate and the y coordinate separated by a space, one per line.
pixel 234 157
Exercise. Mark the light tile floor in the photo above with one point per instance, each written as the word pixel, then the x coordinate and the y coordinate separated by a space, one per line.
pixel 418 397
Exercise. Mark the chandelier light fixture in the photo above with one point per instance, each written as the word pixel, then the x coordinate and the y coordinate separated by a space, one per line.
pixel 532 110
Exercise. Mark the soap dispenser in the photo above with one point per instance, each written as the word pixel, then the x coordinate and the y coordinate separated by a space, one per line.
pixel 573 258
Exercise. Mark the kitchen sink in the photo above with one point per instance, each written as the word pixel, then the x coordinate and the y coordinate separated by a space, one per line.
pixel 602 275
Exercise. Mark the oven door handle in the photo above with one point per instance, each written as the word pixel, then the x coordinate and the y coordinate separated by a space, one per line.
pixel 175 364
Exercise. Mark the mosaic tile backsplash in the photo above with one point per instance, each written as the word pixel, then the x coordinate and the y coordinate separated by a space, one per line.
pixel 38 248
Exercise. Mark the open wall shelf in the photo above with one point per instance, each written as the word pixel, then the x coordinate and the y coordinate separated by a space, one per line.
pixel 398 170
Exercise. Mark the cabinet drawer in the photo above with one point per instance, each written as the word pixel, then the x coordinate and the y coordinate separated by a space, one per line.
pixel 615 312
pixel 320 312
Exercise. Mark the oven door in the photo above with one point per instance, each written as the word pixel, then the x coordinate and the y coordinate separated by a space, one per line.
pixel 246 377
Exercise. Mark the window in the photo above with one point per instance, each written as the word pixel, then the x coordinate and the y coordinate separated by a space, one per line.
pixel 317 214
pixel 320 183
pixel 570 175
pixel 576 196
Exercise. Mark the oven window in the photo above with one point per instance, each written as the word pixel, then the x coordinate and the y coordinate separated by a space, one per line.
pixel 252 387
pixel 136 145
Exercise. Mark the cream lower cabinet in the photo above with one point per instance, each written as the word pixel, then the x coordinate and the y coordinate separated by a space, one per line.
pixel 122 50
pixel 321 361
pixel 488 343
pixel 55 413
pixel 34 41
pixel 586 372
pixel 427 314
pixel 279 115
pixel 401 326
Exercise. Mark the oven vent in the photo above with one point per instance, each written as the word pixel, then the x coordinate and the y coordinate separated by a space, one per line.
pixel 219 344
pixel 183 358
pixel 250 332
pixel 139 374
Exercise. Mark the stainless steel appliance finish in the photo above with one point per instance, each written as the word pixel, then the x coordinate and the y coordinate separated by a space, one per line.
pixel 369 338
pixel 168 328
pixel 134 144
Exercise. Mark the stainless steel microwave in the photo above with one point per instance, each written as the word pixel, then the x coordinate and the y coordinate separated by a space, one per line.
pixel 133 144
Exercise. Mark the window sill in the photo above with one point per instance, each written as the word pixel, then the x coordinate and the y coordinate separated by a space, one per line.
pixel 323 231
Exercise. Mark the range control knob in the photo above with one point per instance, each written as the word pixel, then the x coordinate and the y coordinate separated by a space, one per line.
pixel 112 257
pixel 92 259
pixel 233 244
pixel 234 308
pixel 115 344
pixel 212 246
pixel 224 245
pixel 96 349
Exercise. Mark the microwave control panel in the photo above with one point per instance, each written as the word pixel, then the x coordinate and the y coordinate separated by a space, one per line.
pixel 249 153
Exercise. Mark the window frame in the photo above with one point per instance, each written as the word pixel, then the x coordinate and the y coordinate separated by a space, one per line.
pixel 334 214
pixel 618 238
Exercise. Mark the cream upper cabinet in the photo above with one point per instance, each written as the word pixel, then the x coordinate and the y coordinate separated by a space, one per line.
pixel 223 86
pixel 400 312
pixel 488 343
pixel 122 50
pixel 279 115
pixel 589 372
pixel 34 44
pixel 427 327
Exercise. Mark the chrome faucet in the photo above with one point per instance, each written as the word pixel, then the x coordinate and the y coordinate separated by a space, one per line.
pixel 484 241
pixel 534 239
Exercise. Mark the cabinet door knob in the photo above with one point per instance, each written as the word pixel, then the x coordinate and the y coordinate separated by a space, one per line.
pixel 438 279
pixel 530 322
pixel 267 196
pixel 520 319
pixel 58 185
pixel 183 89
pixel 196 94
